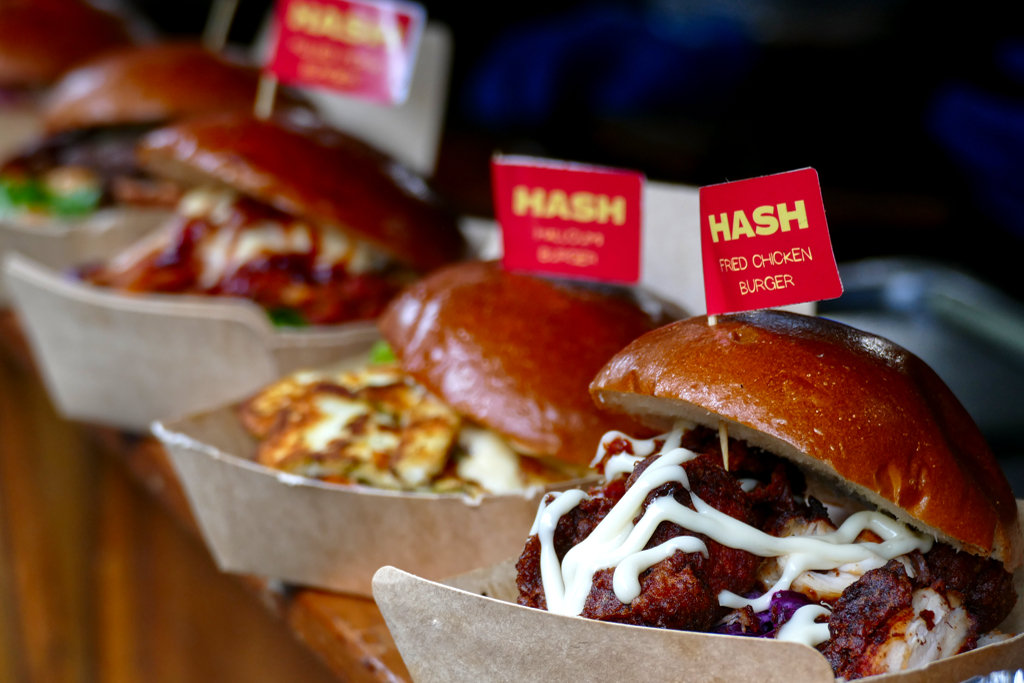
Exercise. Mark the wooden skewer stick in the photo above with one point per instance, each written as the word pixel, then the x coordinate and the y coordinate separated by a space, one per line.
pixel 712 320
pixel 218 24
pixel 723 440
pixel 265 94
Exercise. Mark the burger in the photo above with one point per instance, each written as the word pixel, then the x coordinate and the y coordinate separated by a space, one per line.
pixel 310 224
pixel 94 115
pixel 41 39
pixel 811 483
pixel 481 387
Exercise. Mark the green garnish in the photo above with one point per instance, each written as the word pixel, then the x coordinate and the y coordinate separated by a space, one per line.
pixel 20 191
pixel 19 195
pixel 287 317
pixel 381 353
pixel 75 204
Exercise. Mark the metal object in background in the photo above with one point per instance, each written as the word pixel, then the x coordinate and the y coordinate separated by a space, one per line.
pixel 969 332
pixel 999 677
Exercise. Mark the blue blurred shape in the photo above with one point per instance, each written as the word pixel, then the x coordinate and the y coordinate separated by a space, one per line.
pixel 985 134
pixel 1010 56
pixel 607 60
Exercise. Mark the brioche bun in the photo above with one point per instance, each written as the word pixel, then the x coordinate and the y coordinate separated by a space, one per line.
pixel 848 407
pixel 514 353
pixel 325 179
pixel 40 40
pixel 148 84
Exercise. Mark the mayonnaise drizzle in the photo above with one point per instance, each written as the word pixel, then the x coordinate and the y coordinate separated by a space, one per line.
pixel 801 627
pixel 748 485
pixel 617 543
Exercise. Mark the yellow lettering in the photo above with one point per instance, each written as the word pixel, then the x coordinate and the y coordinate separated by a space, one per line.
pixel 740 225
pixel 613 208
pixel 332 22
pixel 717 227
pixel 325 20
pixel 799 213
pixel 558 206
pixel 583 206
pixel 301 17
pixel 764 219
pixel 525 201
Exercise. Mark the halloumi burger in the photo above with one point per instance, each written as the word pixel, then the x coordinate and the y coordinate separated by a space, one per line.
pixel 483 389
pixel 811 483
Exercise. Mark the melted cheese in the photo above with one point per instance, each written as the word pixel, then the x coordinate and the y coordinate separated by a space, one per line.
pixel 208 202
pixel 617 543
pixel 489 461
pixel 231 246
pixel 335 248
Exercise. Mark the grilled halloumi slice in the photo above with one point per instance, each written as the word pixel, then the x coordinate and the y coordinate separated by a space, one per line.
pixel 259 413
pixel 373 426
pixel 377 426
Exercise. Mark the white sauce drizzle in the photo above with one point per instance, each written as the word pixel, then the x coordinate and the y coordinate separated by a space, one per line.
pixel 801 627
pixel 626 580
pixel 624 463
pixel 617 543
pixel 748 485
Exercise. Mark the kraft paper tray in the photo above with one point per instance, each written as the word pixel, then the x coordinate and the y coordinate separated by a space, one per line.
pixel 469 629
pixel 257 520
pixel 126 360
pixel 61 244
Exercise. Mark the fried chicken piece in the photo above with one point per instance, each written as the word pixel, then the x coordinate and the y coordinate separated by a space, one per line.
pixel 673 594
pixel 884 623
pixel 528 578
pixel 986 586
pixel 572 528
pixel 680 592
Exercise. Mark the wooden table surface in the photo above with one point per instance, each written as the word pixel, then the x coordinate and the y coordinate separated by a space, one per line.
pixel 102 579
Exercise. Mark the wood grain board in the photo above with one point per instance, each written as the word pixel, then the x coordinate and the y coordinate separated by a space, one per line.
pixel 104 580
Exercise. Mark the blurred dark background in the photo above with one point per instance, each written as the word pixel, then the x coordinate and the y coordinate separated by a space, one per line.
pixel 911 111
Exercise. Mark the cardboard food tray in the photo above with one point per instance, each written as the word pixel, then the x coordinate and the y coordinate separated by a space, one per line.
pixel 472 630
pixel 19 125
pixel 61 244
pixel 257 520
pixel 126 360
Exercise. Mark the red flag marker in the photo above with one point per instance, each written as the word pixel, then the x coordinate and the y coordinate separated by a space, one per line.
pixel 765 243
pixel 361 48
pixel 566 219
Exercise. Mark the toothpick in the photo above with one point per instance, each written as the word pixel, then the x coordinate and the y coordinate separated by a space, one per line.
pixel 723 440
pixel 265 94
pixel 712 320
pixel 218 24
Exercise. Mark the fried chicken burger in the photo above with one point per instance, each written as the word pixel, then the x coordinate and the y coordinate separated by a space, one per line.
pixel 813 483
